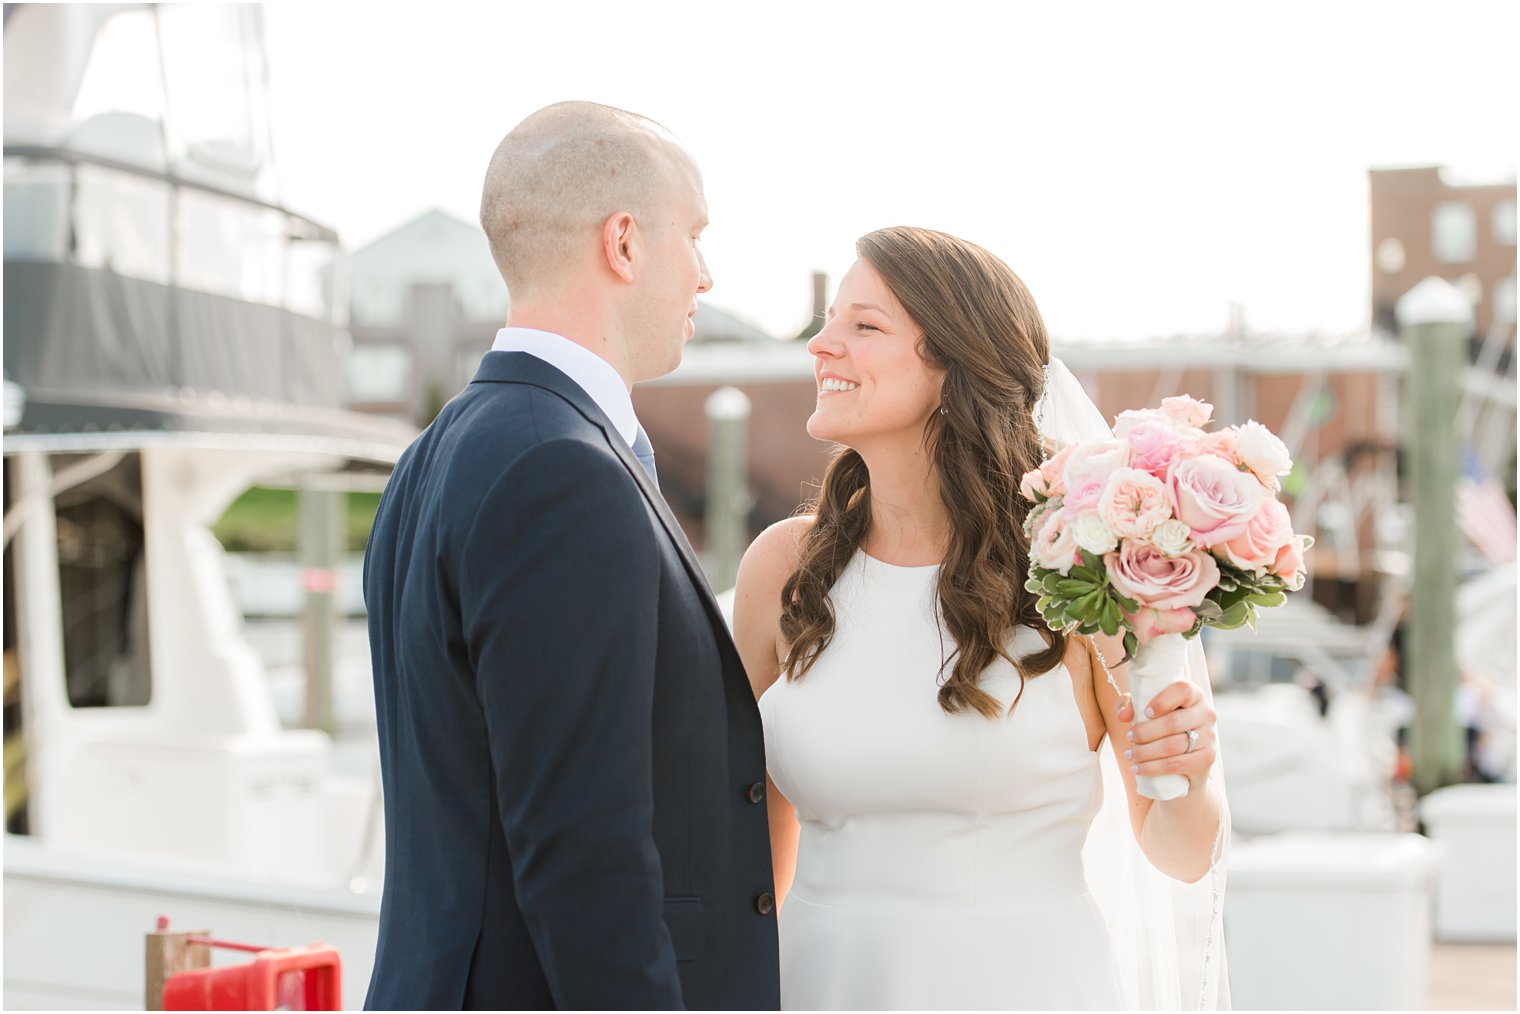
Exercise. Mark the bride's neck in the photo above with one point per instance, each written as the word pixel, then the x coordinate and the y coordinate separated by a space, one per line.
pixel 910 526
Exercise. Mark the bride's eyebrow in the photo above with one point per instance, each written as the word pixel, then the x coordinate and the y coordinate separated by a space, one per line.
pixel 871 306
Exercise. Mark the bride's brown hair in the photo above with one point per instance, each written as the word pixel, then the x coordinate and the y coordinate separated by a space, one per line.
pixel 981 327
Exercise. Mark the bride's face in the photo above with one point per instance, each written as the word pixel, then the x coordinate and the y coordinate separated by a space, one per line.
pixel 872 383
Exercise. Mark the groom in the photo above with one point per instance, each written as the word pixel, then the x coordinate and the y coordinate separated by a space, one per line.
pixel 571 755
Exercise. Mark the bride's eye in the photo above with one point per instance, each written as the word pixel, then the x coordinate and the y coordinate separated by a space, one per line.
pixel 861 325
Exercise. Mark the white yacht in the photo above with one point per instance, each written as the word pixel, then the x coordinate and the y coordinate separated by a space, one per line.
pixel 173 335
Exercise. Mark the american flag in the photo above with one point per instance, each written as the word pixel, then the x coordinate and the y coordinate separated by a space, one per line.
pixel 1484 512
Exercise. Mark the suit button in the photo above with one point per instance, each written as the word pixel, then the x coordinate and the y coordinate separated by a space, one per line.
pixel 765 904
pixel 756 792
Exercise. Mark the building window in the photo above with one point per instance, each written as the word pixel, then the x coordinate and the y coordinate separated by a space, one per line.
pixel 1390 256
pixel 379 373
pixel 1453 232
pixel 1504 223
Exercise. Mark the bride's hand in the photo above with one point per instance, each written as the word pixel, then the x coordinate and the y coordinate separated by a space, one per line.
pixel 1159 741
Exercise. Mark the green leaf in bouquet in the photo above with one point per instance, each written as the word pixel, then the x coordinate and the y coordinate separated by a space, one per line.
pixel 1268 600
pixel 1130 605
pixel 1090 560
pixel 1208 609
pixel 1230 599
pixel 1074 589
pixel 1233 616
pixel 1088 574
pixel 1110 619
pixel 1050 581
pixel 1131 646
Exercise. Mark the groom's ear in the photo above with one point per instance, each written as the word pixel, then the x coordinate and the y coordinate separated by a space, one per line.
pixel 620 244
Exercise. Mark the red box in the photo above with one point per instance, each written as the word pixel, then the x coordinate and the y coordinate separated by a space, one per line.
pixel 294 978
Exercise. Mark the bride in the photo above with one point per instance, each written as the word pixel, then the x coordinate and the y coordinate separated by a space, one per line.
pixel 934 751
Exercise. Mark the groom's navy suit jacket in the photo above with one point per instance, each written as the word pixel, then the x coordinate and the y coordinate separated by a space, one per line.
pixel 572 759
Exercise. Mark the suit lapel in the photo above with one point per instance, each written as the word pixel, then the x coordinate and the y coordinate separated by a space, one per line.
pixel 522 368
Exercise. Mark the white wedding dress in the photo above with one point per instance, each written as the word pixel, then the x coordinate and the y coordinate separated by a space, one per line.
pixel 940 862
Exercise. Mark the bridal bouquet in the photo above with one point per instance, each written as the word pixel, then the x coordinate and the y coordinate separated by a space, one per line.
pixel 1161 531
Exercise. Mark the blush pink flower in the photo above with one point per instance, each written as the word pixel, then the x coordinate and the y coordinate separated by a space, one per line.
pixel 1268 532
pixel 1134 503
pixel 1289 564
pixel 1133 417
pixel 1148 623
pixel 1054 546
pixel 1053 470
pixel 1033 486
pixel 1096 459
pixel 1153 446
pixel 1224 444
pixel 1141 572
pixel 1214 498
pixel 1186 410
pixel 1262 452
pixel 1084 494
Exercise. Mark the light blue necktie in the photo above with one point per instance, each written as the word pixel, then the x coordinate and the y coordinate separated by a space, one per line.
pixel 645 453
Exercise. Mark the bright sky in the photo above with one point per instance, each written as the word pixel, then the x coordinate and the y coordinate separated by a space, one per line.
pixel 1140 165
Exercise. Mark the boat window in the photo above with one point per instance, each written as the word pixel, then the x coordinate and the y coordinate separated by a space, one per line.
pixel 36 211
pixel 15 742
pixel 121 223
pixel 230 248
pixel 309 276
pixel 102 586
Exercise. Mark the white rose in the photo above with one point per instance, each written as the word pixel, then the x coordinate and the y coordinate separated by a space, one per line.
pixel 1172 538
pixel 1090 533
pixel 1263 453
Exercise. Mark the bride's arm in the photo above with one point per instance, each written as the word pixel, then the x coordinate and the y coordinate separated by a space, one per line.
pixel 1176 835
pixel 767 564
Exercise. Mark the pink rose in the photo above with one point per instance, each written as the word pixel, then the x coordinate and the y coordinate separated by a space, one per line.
pixel 1033 486
pixel 1130 418
pixel 1084 494
pixel 1141 572
pixel 1053 469
pixel 1095 459
pixel 1054 547
pixel 1150 623
pixel 1269 530
pixel 1289 564
pixel 1134 503
pixel 1223 444
pixel 1186 410
pixel 1153 446
pixel 1214 498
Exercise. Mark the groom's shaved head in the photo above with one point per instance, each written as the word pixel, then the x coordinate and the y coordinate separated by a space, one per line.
pixel 557 177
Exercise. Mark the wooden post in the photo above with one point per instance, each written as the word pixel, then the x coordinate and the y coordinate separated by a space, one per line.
pixel 320 545
pixel 728 501
pixel 169 954
pixel 1434 320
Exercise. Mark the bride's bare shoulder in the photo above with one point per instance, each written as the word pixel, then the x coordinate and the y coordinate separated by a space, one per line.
pixel 770 560
pixel 773 556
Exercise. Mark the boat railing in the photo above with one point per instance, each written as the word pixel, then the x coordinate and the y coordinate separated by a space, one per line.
pixel 136 278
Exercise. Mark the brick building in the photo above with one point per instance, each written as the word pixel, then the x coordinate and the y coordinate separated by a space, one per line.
pixel 1425 222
